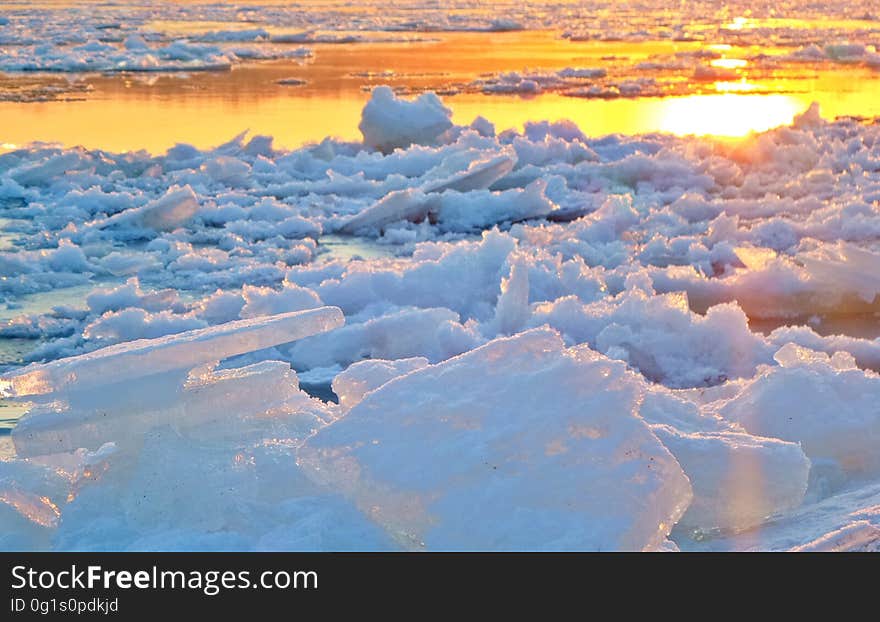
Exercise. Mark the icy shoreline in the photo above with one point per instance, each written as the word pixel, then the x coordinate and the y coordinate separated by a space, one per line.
pixel 556 356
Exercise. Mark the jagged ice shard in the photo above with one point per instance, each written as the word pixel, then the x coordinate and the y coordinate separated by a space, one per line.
pixel 545 451
pixel 119 393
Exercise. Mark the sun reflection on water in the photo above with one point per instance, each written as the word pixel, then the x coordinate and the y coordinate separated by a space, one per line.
pixel 727 115
pixel 729 63
pixel 735 94
pixel 741 86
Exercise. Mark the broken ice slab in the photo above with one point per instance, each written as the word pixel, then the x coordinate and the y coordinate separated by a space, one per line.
pixel 853 270
pixel 212 404
pixel 824 403
pixel 30 497
pixel 182 351
pixel 179 494
pixel 410 204
pixel 479 175
pixel 368 375
pixel 414 204
pixel 739 480
pixel 453 211
pixel 520 444
pixel 170 211
pixel 41 173
pixel 832 281
pixel 481 209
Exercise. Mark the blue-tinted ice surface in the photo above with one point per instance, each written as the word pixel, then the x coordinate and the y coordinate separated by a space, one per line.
pixel 546 340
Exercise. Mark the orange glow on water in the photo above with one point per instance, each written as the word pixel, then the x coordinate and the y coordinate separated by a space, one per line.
pixel 736 87
pixel 205 109
pixel 727 115
pixel 729 63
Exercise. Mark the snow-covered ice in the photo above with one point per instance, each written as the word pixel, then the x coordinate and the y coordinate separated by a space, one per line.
pixel 538 339
pixel 389 123
pixel 826 404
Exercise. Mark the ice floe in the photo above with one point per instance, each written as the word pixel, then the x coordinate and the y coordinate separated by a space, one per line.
pixel 388 122
pixel 824 403
pixel 537 339
pixel 480 455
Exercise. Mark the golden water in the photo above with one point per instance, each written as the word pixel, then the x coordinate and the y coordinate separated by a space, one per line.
pixel 146 111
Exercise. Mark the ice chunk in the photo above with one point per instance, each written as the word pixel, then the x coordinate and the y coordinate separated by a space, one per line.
pixel 177 493
pixel 864 352
pixel 130 294
pixel 850 269
pixel 400 205
pixel 176 352
pixel 228 170
pixel 455 211
pixel 365 376
pixel 470 272
pixel 582 72
pixel 30 496
pixel 827 405
pixel 502 24
pixel 255 34
pixel 173 210
pixel 69 258
pixel 739 480
pixel 856 536
pixel 135 42
pixel 133 323
pixel 473 211
pixel 267 301
pixel 479 175
pixel 792 355
pixel 834 279
pixel 810 118
pixel 482 126
pixel 512 311
pixel 434 333
pixel 388 122
pixel 661 406
pixel 42 172
pixel 291 82
pixel 844 51
pixel 519 444
pixel 661 337
pixel 210 404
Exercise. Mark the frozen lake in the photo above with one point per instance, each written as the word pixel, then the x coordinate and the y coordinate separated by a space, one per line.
pixel 439 276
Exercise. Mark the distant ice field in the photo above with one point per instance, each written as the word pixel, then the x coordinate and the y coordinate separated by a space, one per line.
pixel 300 75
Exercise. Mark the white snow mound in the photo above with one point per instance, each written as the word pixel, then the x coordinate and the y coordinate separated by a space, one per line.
pixel 388 123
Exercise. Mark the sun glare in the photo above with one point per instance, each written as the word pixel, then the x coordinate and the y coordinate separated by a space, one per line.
pixel 735 87
pixel 729 63
pixel 727 114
